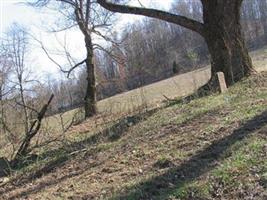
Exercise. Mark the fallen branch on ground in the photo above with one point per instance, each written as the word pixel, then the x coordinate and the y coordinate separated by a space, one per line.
pixel 34 128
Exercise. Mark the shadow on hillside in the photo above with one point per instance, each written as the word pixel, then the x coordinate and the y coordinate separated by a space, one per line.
pixel 163 186
pixel 68 152
pixel 110 134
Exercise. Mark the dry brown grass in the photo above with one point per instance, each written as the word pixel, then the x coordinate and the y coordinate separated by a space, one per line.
pixel 152 95
pixel 201 148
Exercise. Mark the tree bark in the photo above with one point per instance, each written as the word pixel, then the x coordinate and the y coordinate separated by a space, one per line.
pixel 90 95
pixel 24 106
pixel 225 40
pixel 221 30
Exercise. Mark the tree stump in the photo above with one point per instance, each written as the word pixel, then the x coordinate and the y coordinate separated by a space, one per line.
pixel 222 83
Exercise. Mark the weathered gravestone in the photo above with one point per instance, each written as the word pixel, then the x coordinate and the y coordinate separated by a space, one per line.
pixel 222 83
pixel 4 167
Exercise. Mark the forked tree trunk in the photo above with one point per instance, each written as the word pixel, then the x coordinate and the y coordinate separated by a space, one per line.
pixel 225 40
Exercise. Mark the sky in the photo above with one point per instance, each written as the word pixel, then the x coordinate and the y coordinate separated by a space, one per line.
pixel 40 21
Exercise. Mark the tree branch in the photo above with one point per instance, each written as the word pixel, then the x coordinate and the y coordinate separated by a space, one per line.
pixel 154 13
pixel 35 127
pixel 55 62
pixel 74 67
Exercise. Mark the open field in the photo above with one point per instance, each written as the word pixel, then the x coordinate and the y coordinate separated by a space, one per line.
pixel 153 94
pixel 211 148
pixel 177 86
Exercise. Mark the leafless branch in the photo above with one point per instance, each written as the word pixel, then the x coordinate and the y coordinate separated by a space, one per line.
pixel 34 128
pixel 56 63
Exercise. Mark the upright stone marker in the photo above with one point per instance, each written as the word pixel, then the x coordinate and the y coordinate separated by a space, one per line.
pixel 222 83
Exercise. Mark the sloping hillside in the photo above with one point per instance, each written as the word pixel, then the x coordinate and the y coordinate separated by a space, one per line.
pixel 211 148
pixel 177 86
pixel 153 94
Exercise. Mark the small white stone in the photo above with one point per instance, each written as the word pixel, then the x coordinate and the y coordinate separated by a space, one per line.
pixel 4 180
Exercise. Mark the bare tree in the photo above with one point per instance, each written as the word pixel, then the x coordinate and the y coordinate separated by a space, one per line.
pixel 220 28
pixel 93 21
pixel 17 47
pixel 5 87
pixel 24 118
pixel 5 71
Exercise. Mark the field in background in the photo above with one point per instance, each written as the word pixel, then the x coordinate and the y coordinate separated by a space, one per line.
pixel 153 94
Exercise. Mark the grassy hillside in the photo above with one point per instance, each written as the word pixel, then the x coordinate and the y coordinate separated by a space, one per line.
pixel 153 94
pixel 211 148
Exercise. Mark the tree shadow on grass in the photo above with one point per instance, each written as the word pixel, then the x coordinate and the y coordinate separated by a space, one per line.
pixel 46 183
pixel 61 155
pixel 76 148
pixel 163 186
pixel 110 134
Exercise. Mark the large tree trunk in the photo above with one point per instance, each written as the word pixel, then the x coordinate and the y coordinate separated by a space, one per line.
pixel 221 29
pixel 225 40
pixel 90 95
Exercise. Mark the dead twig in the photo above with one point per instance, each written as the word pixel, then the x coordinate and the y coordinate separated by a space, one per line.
pixel 34 128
